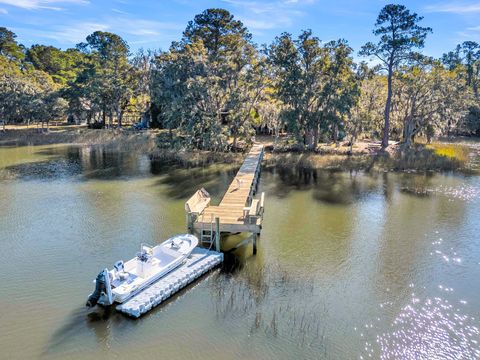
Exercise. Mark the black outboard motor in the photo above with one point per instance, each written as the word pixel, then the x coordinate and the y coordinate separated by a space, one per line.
pixel 99 288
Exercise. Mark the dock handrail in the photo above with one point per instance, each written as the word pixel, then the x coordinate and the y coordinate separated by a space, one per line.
pixel 238 210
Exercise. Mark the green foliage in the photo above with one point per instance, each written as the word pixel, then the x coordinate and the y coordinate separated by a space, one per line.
pixel 28 95
pixel 214 87
pixel 63 66
pixel 465 59
pixel 9 47
pixel 316 83
pixel 471 123
pixel 209 83
pixel 399 34
pixel 366 117
pixel 108 82
pixel 427 98
pixel 219 32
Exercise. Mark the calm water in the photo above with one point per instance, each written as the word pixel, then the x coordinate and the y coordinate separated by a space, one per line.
pixel 349 266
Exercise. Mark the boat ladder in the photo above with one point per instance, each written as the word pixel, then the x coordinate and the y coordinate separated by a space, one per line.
pixel 207 234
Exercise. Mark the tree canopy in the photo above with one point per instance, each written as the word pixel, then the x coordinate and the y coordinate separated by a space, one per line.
pixel 400 33
pixel 215 88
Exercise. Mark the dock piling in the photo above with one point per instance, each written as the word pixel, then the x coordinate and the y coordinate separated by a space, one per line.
pixel 217 234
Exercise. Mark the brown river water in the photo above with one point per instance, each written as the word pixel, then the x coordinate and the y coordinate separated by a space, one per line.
pixel 349 266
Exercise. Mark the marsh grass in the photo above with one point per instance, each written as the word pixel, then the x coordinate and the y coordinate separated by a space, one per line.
pixel 253 296
pixel 200 158
pixel 161 145
pixel 432 157
pixel 318 161
pixel 121 139
pixel 419 158
pixel 459 152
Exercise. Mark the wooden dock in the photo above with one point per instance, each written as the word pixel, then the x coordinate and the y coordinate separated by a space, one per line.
pixel 238 210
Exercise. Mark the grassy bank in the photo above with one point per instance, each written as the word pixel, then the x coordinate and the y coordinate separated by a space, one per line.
pixel 151 142
pixel 195 158
pixel 79 135
pixel 439 156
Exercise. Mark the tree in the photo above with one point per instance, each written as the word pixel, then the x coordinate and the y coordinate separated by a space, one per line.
pixel 427 98
pixel 465 61
pixel 341 89
pixel 466 57
pixel 399 35
pixel 63 66
pixel 143 65
pixel 270 110
pixel 299 72
pixel 367 114
pixel 49 106
pixel 28 95
pixel 9 46
pixel 471 122
pixel 219 32
pixel 471 56
pixel 452 59
pixel 210 82
pixel 107 77
pixel 316 84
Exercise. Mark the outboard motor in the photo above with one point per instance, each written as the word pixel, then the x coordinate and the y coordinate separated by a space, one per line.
pixel 99 289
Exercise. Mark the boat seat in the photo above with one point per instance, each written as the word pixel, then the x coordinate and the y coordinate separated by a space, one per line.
pixel 129 279
pixel 119 266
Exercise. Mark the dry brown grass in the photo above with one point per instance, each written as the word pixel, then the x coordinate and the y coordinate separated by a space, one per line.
pixel 309 160
pixel 365 155
pixel 80 135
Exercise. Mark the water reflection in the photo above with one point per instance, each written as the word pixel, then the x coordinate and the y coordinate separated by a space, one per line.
pixel 82 322
pixel 418 185
pixel 99 163
pixel 182 183
pixel 81 162
pixel 339 257
pixel 330 186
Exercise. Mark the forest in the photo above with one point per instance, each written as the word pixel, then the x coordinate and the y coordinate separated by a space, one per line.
pixel 215 87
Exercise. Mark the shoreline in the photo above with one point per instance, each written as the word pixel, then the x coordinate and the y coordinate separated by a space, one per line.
pixel 451 156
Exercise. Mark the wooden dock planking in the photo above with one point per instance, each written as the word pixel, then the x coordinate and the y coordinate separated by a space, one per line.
pixel 239 195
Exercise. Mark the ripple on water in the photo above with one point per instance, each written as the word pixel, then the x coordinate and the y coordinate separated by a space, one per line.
pixel 463 192
pixel 429 329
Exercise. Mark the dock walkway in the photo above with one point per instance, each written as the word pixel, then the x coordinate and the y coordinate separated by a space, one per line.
pixel 238 211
